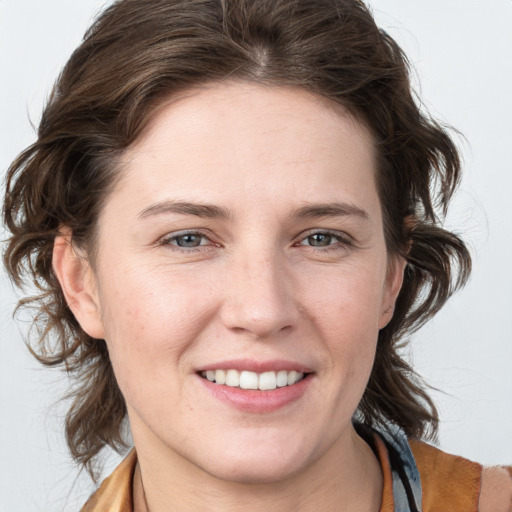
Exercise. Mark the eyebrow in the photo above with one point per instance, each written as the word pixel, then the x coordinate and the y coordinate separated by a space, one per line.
pixel 185 208
pixel 210 211
pixel 330 210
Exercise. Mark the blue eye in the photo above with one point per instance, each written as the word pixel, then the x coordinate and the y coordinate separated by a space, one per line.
pixel 321 239
pixel 188 240
pixel 326 240
pixel 184 240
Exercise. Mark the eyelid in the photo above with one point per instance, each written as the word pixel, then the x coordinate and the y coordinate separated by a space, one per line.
pixel 170 237
pixel 326 231
pixel 343 238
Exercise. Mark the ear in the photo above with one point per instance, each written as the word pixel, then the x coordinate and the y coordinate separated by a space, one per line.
pixel 78 283
pixel 392 287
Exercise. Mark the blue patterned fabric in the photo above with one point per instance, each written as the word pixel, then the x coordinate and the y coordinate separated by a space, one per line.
pixel 406 477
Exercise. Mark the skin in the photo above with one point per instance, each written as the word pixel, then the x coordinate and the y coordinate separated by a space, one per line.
pixel 496 492
pixel 261 286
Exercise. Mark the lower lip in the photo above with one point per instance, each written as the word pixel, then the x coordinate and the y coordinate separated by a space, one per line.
pixel 249 400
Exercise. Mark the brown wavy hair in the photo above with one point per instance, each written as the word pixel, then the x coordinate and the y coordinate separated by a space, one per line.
pixel 138 53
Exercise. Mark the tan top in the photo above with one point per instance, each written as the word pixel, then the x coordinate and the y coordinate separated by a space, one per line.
pixel 449 483
pixel 115 493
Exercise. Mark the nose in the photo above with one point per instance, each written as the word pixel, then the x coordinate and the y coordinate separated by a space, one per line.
pixel 259 296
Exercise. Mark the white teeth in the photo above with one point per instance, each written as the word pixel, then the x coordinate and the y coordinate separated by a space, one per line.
pixel 282 378
pixel 251 380
pixel 248 380
pixel 268 380
pixel 220 376
pixel 292 377
pixel 232 378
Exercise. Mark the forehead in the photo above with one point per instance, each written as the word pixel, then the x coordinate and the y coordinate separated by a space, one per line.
pixel 203 107
pixel 227 138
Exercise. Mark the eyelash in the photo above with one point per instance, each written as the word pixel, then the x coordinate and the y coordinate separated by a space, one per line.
pixel 168 241
pixel 341 241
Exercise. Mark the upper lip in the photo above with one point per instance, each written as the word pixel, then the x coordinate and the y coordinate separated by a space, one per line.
pixel 252 365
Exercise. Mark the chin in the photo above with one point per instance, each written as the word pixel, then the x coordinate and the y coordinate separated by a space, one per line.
pixel 259 463
pixel 257 471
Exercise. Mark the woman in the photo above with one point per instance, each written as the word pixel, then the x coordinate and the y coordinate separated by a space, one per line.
pixel 230 214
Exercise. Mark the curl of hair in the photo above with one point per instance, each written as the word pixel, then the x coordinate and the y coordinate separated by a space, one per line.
pixel 137 54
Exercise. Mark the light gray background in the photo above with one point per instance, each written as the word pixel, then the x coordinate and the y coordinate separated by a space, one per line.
pixel 462 52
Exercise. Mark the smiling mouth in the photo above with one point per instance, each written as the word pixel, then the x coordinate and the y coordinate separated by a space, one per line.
pixel 251 380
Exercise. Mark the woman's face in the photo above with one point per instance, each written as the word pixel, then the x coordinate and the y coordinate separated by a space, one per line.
pixel 244 243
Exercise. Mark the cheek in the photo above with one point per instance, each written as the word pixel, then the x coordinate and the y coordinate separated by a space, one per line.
pixel 151 317
pixel 347 302
pixel 346 312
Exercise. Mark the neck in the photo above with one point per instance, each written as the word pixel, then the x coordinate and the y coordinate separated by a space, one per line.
pixel 347 478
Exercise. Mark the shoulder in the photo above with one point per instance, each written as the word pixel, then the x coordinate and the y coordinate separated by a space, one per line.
pixel 496 493
pixel 460 484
